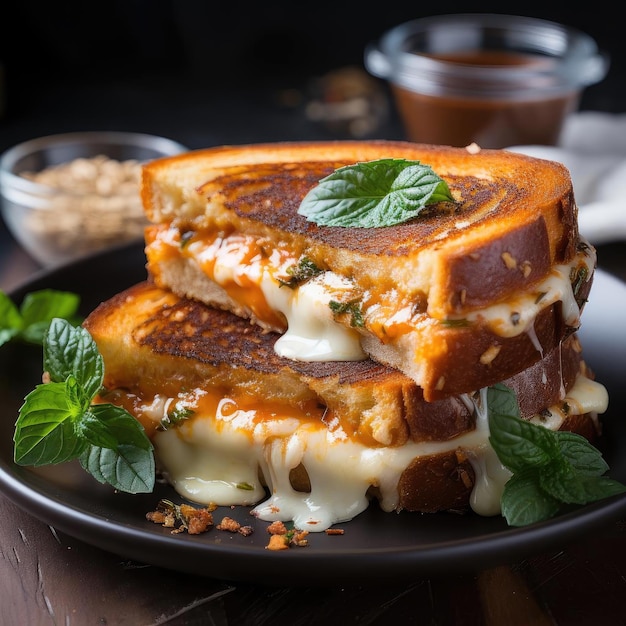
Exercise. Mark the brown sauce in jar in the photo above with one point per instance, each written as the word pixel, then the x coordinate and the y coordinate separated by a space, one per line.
pixel 488 121
pixel 489 57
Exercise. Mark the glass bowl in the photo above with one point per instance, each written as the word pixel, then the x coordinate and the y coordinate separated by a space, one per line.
pixel 66 196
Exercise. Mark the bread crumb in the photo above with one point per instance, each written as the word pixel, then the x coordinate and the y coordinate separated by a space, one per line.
pixel 233 526
pixel 509 260
pixel 299 538
pixel 282 537
pixel 489 354
pixel 473 148
pixel 526 268
pixel 158 517
pixel 229 524
pixel 184 517
pixel 278 542
pixel 246 531
pixel 277 528
pixel 191 519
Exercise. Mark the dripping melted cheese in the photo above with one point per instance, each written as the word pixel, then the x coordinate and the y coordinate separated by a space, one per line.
pixel 254 273
pixel 237 453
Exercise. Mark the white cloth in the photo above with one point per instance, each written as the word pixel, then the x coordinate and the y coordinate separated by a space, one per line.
pixel 593 148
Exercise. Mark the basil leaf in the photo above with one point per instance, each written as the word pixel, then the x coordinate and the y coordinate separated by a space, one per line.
pixel 374 194
pixel 44 431
pixel 128 468
pixel 69 350
pixel 524 502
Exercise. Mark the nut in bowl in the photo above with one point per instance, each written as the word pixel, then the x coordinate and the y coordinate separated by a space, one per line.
pixel 69 195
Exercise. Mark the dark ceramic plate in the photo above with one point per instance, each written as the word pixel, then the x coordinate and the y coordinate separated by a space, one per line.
pixel 375 545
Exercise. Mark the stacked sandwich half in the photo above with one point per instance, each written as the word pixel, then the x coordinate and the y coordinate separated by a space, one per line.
pixel 308 369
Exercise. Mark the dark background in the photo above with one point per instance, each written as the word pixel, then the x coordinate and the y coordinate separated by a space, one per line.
pixel 206 73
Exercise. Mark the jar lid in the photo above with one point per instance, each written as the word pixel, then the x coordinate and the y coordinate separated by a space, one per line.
pixel 486 56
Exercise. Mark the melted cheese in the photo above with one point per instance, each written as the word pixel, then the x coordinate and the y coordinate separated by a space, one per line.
pixel 228 452
pixel 312 333
pixel 518 314
pixel 253 273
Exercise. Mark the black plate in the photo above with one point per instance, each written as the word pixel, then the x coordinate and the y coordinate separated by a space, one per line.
pixel 375 545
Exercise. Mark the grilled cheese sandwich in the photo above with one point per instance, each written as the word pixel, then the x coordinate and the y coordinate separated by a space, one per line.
pixel 495 282
pixel 306 370
pixel 311 442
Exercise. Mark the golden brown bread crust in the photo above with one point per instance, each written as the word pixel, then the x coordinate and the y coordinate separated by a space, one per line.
pixel 264 201
pixel 155 342
pixel 438 370
pixel 443 374
pixel 507 203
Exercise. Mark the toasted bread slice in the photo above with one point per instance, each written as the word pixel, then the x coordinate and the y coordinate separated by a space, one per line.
pixel 166 356
pixel 516 215
pixel 226 219
pixel 154 341
pixel 458 355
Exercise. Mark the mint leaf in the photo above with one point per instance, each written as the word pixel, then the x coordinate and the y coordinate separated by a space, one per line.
pixel 68 350
pixel 59 421
pixel 30 322
pixel 11 323
pixel 121 425
pixel 518 444
pixel 569 486
pixel 129 468
pixel 95 431
pixel 39 308
pixel 374 194
pixel 44 432
pixel 586 459
pixel 524 502
pixel 551 469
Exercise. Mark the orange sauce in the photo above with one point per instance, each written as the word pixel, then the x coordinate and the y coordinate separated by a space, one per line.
pixel 210 403
pixel 237 251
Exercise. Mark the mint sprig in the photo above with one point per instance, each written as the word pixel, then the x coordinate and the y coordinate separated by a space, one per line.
pixel 373 194
pixel 552 470
pixel 30 322
pixel 59 423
